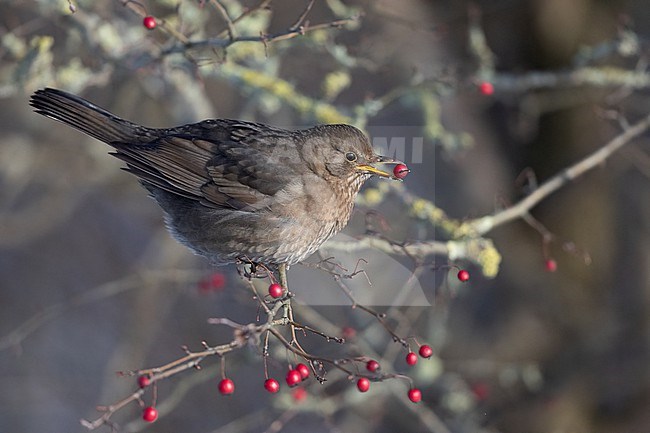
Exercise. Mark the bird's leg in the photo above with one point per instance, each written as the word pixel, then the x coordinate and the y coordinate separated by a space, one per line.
pixel 282 270
pixel 288 311
pixel 286 306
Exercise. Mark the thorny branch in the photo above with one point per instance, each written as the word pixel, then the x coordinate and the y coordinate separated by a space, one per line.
pixel 253 334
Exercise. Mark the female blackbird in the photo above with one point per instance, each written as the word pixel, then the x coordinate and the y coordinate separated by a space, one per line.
pixel 234 190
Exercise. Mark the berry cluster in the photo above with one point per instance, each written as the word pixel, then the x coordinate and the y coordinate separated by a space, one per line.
pixel 271 385
pixel 149 413
pixel 426 352
pixel 297 375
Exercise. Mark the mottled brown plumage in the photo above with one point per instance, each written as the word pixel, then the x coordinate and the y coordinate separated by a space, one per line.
pixel 234 190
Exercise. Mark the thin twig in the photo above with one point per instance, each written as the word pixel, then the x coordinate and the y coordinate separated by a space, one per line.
pixel 301 18
pixel 317 332
pixel 262 5
pixel 264 38
pixel 379 316
pixel 226 17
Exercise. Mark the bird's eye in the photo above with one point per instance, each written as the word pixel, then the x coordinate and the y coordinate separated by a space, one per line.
pixel 351 156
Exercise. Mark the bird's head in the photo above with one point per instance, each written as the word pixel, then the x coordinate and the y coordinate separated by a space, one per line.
pixel 345 152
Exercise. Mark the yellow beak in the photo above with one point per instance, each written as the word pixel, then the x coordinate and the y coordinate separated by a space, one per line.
pixel 365 168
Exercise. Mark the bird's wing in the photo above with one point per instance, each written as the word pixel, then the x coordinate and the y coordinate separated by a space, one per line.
pixel 237 165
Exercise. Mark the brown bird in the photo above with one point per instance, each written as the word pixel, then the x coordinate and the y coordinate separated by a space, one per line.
pixel 233 190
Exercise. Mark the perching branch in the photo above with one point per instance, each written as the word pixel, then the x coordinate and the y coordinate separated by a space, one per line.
pixel 243 335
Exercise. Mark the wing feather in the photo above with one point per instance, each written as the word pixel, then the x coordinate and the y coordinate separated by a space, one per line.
pixel 217 163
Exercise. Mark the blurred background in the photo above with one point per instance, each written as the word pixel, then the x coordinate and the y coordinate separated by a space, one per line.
pixel 92 284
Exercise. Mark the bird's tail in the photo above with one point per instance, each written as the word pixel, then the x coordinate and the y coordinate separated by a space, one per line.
pixel 84 116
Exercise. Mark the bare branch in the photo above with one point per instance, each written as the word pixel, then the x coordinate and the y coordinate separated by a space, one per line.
pixel 226 17
pixel 264 38
pixel 301 18
pixel 485 224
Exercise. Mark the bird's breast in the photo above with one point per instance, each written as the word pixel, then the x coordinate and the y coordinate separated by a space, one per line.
pixel 314 210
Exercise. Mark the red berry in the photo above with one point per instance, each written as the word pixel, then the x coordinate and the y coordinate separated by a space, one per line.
pixel 349 332
pixel 486 88
pixel 144 381
pixel 363 384
pixel 372 366
pixel 226 386
pixel 271 385
pixel 400 171
pixel 463 275
pixel 275 290
pixel 411 358
pixel 150 414
pixel 293 377
pixel 217 281
pixel 551 265
pixel 299 394
pixel 425 351
pixel 149 22
pixel 214 283
pixel 481 391
pixel 303 370
pixel 415 395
